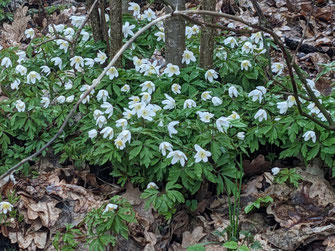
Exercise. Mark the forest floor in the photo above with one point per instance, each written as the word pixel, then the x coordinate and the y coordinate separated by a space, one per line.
pixel 300 218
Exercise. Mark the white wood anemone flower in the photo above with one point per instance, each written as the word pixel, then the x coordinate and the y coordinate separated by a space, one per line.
pixel 201 155
pixel 309 135
pixel 152 185
pixel 165 146
pixel 177 156
pixel 5 207
pixel 110 208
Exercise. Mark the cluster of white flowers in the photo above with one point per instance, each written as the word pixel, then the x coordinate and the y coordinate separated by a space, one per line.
pixel 254 46
pixel 257 94
pixel 179 156
pixel 190 31
pixel 148 14
pixel 140 106
pixel 284 105
pixel 77 21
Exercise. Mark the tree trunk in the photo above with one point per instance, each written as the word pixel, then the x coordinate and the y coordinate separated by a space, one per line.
pixel 207 37
pixel 95 21
pixel 125 5
pixel 116 27
pixel 175 35
pixel 104 26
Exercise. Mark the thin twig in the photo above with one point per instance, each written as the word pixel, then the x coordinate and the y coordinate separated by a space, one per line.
pixel 81 28
pixel 52 39
pixel 216 26
pixel 303 34
pixel 262 18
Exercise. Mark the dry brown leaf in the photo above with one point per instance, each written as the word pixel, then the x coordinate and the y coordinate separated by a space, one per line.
pixel 256 166
pixel 13 33
pixel 49 202
pixel 151 241
pixel 301 207
pixel 192 238
pixel 318 58
pixel 291 239
pixel 37 239
pixel 253 186
pixel 45 210
pixel 132 195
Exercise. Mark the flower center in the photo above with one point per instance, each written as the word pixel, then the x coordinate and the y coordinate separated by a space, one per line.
pixel 6 206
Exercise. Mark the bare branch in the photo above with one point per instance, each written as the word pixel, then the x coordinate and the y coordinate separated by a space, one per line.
pixel 304 33
pixel 81 27
pixel 216 26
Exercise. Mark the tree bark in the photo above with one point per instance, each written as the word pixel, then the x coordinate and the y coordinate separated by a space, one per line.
pixel 175 35
pixel 95 21
pixel 116 28
pixel 104 26
pixel 207 37
pixel 125 5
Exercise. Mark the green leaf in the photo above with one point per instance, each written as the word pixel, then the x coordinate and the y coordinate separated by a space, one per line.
pixel 243 248
pixel 134 152
pixel 329 142
pixel 329 150
pixel 249 208
pixel 231 245
pixel 196 247
pixel 216 152
pixel 313 152
pixel 198 170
